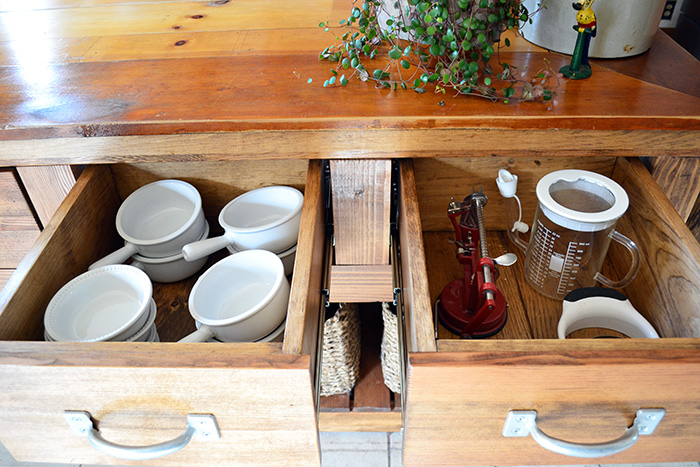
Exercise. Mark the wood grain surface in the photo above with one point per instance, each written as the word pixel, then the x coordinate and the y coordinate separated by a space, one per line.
pixel 666 289
pixel 302 330
pixel 361 194
pixel 438 179
pixel 677 177
pixel 358 284
pixel 420 335
pixel 18 227
pixel 79 234
pixel 196 67
pixel 47 187
pixel 580 395
pixel 141 393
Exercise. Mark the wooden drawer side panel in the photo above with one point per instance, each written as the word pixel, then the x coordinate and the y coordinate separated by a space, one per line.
pixel 667 288
pixel 80 231
pixel 301 330
pixel 18 228
pixel 419 320
pixel 588 396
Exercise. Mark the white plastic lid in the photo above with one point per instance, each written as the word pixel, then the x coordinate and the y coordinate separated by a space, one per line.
pixel 581 200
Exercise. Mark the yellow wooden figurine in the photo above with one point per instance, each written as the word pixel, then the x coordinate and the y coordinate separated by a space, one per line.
pixel 580 68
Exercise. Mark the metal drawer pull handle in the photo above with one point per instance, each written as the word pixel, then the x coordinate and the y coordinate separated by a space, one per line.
pixel 520 423
pixel 200 426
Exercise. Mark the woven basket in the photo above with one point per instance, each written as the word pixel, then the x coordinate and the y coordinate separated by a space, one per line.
pixel 340 361
pixel 391 366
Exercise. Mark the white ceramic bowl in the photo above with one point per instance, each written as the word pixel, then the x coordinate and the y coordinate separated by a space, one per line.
pixel 157 220
pixel 143 334
pixel 108 303
pixel 286 256
pixel 267 218
pixel 171 269
pixel 242 298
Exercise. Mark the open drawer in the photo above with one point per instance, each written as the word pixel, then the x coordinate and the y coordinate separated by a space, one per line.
pixel 261 394
pixel 459 392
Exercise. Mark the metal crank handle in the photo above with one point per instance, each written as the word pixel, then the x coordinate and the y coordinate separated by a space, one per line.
pixel 520 423
pixel 200 426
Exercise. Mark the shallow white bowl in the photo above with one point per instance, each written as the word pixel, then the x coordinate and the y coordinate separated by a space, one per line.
pixel 107 303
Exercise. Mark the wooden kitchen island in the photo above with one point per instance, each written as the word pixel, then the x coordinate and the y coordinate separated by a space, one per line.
pixel 98 97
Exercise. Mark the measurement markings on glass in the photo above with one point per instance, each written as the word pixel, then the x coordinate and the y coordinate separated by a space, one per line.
pixel 543 253
pixel 572 261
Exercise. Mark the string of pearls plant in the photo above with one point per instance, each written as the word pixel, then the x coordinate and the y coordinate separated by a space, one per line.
pixel 443 44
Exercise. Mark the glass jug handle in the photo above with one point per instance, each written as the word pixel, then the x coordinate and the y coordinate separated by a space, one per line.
pixel 634 267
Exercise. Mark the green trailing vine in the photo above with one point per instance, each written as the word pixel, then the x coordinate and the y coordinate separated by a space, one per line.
pixel 440 44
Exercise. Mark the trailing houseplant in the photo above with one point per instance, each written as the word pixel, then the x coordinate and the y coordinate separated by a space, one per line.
pixel 447 45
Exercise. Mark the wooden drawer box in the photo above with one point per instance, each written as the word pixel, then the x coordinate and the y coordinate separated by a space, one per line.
pixel 459 392
pixel 140 393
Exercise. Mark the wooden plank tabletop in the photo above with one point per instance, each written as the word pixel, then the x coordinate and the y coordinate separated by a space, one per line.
pixel 71 69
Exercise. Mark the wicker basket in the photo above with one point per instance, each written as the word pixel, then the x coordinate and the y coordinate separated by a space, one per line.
pixel 391 366
pixel 340 361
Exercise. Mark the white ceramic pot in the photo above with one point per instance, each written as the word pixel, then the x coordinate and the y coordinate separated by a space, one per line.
pixel 624 27
pixel 286 256
pixel 108 303
pixel 157 220
pixel 267 218
pixel 242 298
pixel 171 269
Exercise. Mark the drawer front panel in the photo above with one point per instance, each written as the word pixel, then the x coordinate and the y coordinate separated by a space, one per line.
pixel 262 402
pixel 458 403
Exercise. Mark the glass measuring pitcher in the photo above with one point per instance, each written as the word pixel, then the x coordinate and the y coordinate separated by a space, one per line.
pixel 571 232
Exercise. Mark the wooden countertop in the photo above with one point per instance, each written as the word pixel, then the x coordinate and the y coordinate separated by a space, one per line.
pixel 99 81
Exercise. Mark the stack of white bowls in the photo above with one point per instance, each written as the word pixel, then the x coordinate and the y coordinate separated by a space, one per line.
pixel 156 221
pixel 266 218
pixel 109 303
